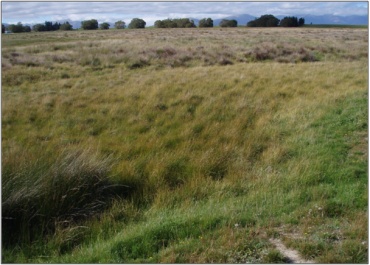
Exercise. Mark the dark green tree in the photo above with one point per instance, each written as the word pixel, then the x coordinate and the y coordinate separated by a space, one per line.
pixel 289 22
pixel 39 27
pixel 2 28
pixel 104 25
pixel 301 22
pixel 184 23
pixel 48 26
pixel 120 24
pixel 89 24
pixel 170 23
pixel 159 24
pixel 16 28
pixel 26 29
pixel 252 23
pixel 66 26
pixel 56 26
pixel 137 23
pixel 175 23
pixel 228 23
pixel 264 21
pixel 206 23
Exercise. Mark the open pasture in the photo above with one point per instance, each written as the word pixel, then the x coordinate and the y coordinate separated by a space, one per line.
pixel 185 145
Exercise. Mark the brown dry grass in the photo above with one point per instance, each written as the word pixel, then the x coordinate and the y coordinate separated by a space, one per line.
pixel 183 47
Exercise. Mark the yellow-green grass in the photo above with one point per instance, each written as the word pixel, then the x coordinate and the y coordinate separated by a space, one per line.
pixel 195 163
pixel 181 47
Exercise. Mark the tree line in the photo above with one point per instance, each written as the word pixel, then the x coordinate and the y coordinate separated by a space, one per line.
pixel 136 23
pixel 92 24
pixel 187 23
pixel 271 21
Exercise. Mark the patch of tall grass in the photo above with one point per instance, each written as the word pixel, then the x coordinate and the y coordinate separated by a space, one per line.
pixel 41 191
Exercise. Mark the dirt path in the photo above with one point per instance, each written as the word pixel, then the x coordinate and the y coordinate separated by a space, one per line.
pixel 291 254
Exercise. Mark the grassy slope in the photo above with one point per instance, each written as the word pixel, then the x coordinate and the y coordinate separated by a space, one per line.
pixel 317 188
pixel 220 158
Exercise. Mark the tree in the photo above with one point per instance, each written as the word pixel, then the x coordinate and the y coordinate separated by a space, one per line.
pixel 206 23
pixel 120 24
pixel 169 23
pixel 17 28
pixel 48 26
pixel 89 24
pixel 66 26
pixel 104 25
pixel 175 23
pixel 26 29
pixel 228 23
pixel 264 21
pixel 159 24
pixel 2 28
pixel 190 24
pixel 137 23
pixel 39 27
pixel 184 23
pixel 289 22
pixel 56 26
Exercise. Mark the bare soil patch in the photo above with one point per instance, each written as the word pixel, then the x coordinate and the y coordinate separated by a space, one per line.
pixel 292 255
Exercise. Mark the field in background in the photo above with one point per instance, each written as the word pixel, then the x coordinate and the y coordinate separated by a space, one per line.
pixel 185 145
pixel 336 26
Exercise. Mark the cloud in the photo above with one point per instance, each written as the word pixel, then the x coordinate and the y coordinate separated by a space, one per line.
pixel 35 12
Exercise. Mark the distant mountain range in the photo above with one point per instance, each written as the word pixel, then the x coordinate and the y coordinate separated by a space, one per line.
pixel 336 20
pixel 245 18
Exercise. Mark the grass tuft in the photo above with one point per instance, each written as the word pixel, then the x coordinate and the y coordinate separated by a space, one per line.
pixel 41 193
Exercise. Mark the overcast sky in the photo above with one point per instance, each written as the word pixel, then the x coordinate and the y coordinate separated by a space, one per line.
pixel 39 12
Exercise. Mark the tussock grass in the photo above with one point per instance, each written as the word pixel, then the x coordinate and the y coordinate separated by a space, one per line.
pixel 40 194
pixel 184 47
pixel 129 154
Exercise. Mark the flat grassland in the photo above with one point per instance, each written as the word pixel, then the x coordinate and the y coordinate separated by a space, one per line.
pixel 185 145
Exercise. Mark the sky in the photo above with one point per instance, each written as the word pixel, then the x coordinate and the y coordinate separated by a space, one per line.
pixel 38 12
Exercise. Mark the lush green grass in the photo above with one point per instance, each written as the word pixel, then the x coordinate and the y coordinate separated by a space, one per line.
pixel 187 161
